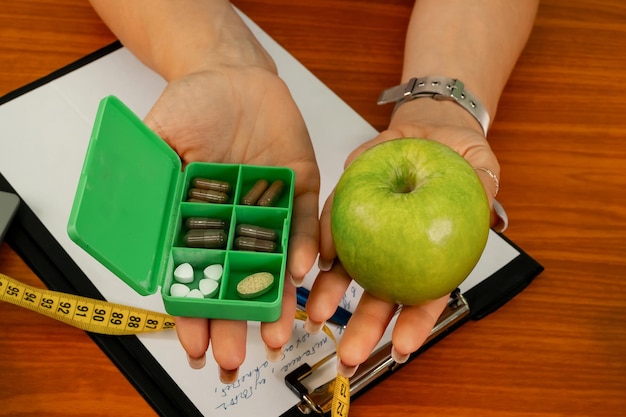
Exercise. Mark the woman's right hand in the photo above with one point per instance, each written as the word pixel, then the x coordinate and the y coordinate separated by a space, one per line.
pixel 224 102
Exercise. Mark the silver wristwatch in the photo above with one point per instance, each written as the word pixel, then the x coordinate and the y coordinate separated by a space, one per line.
pixel 439 88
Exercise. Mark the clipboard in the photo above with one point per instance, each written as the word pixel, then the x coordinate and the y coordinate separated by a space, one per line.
pixel 8 206
pixel 34 234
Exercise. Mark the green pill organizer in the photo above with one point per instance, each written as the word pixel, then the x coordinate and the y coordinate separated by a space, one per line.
pixel 130 209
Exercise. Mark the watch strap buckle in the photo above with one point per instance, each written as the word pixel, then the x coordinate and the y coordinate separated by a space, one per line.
pixel 399 92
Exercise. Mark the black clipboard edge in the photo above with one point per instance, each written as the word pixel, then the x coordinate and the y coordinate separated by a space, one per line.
pixel 492 293
pixel 60 72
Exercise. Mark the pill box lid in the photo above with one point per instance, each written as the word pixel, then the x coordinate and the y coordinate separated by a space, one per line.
pixel 123 205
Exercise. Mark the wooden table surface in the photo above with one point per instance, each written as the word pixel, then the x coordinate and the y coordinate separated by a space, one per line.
pixel 558 349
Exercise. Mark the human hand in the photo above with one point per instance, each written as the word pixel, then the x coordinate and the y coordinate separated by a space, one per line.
pixel 244 115
pixel 444 122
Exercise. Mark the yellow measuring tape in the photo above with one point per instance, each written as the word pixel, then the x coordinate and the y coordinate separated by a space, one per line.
pixel 103 317
pixel 88 314
pixel 341 397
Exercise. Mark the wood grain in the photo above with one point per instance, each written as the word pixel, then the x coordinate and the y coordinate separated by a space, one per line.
pixel 559 349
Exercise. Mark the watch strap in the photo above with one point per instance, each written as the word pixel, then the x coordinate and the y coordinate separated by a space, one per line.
pixel 439 88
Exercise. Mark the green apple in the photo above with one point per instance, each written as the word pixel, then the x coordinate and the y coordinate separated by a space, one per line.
pixel 410 219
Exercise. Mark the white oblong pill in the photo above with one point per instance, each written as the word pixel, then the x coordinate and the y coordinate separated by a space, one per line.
pixel 208 287
pixel 184 273
pixel 179 290
pixel 255 285
pixel 195 294
pixel 214 272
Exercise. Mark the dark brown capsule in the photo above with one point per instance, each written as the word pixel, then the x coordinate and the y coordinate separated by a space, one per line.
pixel 210 196
pixel 255 192
pixel 205 223
pixel 205 238
pixel 250 230
pixel 254 244
pixel 211 184
pixel 272 194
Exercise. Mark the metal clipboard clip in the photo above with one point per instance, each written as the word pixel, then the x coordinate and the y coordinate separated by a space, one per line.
pixel 318 400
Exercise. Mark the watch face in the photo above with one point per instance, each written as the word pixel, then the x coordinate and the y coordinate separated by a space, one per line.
pixel 8 207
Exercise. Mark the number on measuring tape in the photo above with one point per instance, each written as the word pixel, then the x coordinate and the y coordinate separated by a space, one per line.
pixel 341 397
pixel 85 313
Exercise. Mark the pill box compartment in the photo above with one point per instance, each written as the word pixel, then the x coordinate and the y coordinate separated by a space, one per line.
pixel 130 209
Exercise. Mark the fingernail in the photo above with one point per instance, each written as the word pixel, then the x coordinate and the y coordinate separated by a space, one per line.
pixel 312 326
pixel 397 357
pixel 296 282
pixel 228 376
pixel 345 370
pixel 503 218
pixel 196 363
pixel 273 354
pixel 324 265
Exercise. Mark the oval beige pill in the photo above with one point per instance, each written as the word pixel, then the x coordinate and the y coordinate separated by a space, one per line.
pixel 255 285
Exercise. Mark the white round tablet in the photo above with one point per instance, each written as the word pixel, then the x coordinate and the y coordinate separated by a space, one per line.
pixel 179 290
pixel 214 272
pixel 184 273
pixel 208 287
pixel 195 294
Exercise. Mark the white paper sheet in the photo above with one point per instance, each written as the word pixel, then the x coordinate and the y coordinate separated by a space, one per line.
pixel 42 146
